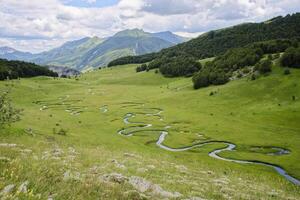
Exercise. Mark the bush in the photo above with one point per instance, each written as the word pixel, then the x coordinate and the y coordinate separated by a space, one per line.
pixel 142 68
pixel 180 66
pixel 8 114
pixel 246 71
pixel 264 66
pixel 61 131
pixel 201 80
pixel 286 71
pixel 291 58
pixel 205 78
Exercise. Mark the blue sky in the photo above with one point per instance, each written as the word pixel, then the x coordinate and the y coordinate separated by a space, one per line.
pixel 39 25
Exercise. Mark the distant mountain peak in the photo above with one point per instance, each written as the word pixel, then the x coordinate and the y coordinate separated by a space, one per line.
pixel 132 33
pixel 170 37
pixel 6 50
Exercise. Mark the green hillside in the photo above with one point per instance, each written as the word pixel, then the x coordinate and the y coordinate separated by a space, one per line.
pixel 67 145
pixel 218 42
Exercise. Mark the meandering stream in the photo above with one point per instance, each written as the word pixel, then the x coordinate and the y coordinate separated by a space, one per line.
pixel 139 127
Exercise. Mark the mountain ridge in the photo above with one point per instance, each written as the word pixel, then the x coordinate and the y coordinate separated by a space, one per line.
pixel 94 52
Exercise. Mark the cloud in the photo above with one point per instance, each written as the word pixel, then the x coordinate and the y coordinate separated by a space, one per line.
pixel 91 1
pixel 45 24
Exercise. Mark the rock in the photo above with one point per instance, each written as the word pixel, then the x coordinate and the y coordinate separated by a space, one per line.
pixel 23 187
pixel 57 152
pixel 54 154
pixel 143 185
pixel 114 177
pixel 72 151
pixel 51 197
pixel 118 165
pixel 8 145
pixel 6 190
pixel 68 175
pixel 26 151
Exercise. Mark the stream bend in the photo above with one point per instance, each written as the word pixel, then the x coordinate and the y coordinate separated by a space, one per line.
pixel 138 127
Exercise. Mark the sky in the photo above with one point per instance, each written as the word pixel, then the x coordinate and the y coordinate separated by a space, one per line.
pixel 40 25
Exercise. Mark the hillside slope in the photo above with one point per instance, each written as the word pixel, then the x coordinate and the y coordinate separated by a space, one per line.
pixel 218 42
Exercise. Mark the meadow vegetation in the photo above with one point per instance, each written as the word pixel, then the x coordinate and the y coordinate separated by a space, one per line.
pixel 67 146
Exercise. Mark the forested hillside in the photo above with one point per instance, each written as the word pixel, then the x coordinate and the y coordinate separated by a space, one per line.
pixel 217 42
pixel 18 69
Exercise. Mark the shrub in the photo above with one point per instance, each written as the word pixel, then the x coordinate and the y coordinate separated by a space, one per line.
pixel 264 66
pixel 291 58
pixel 142 68
pixel 253 77
pixel 201 80
pixel 286 71
pixel 61 131
pixel 246 70
pixel 8 114
pixel 180 66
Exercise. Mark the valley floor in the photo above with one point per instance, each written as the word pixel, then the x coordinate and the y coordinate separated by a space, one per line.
pixel 67 145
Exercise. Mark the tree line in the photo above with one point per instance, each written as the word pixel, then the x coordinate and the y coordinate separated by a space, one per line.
pixel 219 70
pixel 19 69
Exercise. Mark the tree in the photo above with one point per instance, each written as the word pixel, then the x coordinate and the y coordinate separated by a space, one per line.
pixel 201 79
pixel 264 66
pixel 291 58
pixel 142 68
pixel 8 114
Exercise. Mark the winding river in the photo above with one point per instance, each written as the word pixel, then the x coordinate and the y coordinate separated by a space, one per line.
pixel 138 127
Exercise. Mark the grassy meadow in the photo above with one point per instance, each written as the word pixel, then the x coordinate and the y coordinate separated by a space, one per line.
pixel 66 142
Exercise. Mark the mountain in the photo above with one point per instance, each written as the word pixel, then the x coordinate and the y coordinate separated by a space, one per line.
pixel 95 52
pixel 13 54
pixel 170 37
pixel 6 50
pixel 124 43
pixel 69 54
pixel 217 42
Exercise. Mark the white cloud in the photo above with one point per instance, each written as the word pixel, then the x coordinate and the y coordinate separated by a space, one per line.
pixel 43 24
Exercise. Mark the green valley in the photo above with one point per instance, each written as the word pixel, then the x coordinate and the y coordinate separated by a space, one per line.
pixel 68 134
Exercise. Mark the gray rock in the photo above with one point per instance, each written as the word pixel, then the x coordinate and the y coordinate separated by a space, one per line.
pixel 7 189
pixel 23 187
pixel 8 145
pixel 68 175
pixel 143 185
pixel 114 177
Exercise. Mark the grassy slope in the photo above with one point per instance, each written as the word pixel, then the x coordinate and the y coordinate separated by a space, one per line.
pixel 244 112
